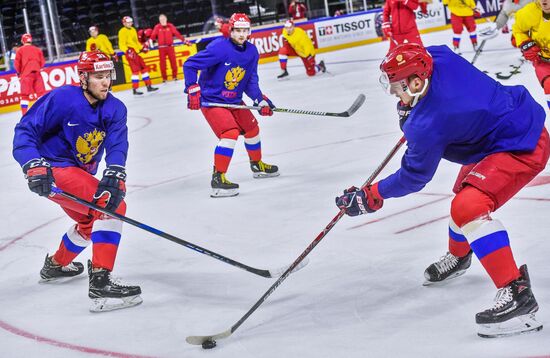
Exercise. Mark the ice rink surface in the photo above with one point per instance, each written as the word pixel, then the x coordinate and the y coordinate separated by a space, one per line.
pixel 361 294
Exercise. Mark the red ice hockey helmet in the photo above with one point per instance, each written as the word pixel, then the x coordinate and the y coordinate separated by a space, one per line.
pixel 406 60
pixel 26 38
pixel 94 61
pixel 239 21
pixel 127 19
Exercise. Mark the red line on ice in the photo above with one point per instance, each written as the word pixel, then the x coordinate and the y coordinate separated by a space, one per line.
pixel 73 347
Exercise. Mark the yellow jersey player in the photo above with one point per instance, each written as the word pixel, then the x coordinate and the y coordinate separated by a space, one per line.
pixel 297 43
pixel 531 32
pixel 100 42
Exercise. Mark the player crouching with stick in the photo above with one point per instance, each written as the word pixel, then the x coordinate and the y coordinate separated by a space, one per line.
pixel 497 133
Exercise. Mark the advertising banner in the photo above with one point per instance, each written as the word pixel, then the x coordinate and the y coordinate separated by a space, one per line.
pixel 54 76
pixel 345 29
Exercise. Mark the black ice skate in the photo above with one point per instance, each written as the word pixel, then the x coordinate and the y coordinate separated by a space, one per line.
pixel 221 187
pixel 136 92
pixel 263 170
pixel 283 75
pixel 109 294
pixel 513 312
pixel 322 66
pixel 53 272
pixel 151 88
pixel 448 267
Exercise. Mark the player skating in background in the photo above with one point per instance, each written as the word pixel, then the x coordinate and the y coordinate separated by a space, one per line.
pixel 509 7
pixel 165 31
pixel 229 68
pixel 60 142
pixel 463 14
pixel 100 42
pixel 128 42
pixel 296 42
pixel 29 60
pixel 497 133
pixel 531 31
pixel 399 21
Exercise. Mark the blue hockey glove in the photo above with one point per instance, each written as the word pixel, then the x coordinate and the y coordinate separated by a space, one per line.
pixel 356 201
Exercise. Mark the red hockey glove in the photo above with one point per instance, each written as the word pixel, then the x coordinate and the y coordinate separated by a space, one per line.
pixel 145 48
pixel 530 51
pixel 111 190
pixel 265 105
pixel 194 97
pixel 38 173
pixel 356 201
pixel 131 53
pixel 386 30
pixel 114 57
pixel 477 13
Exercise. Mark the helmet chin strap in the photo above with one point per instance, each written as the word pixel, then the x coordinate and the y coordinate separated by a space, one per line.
pixel 416 96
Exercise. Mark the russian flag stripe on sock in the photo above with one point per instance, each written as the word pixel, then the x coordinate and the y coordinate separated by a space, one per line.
pixel 490 243
pixel 226 152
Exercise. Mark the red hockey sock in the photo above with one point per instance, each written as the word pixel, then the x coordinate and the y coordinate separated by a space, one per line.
pixel 253 144
pixel 224 150
pixel 458 245
pixel 24 103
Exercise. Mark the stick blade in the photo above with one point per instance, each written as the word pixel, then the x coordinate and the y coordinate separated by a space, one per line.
pixel 199 340
pixel 355 106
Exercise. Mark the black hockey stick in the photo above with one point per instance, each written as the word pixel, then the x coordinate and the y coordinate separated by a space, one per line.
pixel 515 70
pixel 478 51
pixel 210 341
pixel 202 250
pixel 348 113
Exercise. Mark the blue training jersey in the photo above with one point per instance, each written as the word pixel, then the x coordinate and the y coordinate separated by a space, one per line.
pixel 464 117
pixel 63 128
pixel 227 71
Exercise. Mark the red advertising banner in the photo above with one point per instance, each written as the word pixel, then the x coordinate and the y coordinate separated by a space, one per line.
pixel 269 41
pixel 53 77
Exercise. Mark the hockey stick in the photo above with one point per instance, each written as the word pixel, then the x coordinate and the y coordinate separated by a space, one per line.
pixel 478 51
pixel 515 70
pixel 202 250
pixel 210 341
pixel 348 113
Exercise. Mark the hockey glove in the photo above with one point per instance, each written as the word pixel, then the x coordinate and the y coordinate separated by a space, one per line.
pixel 265 105
pixel 477 13
pixel 403 111
pixel 356 201
pixel 194 97
pixel 386 30
pixel 111 189
pixel 114 57
pixel 530 51
pixel 38 173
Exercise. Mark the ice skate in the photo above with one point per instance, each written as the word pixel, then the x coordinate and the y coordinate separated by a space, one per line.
pixel 137 93
pixel 221 187
pixel 513 312
pixel 263 170
pixel 322 67
pixel 109 294
pixel 52 272
pixel 151 89
pixel 457 51
pixel 283 75
pixel 448 267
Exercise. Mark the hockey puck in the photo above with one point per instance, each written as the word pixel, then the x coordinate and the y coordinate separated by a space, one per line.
pixel 208 344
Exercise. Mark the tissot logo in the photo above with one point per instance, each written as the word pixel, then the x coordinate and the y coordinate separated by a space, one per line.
pixel 345 27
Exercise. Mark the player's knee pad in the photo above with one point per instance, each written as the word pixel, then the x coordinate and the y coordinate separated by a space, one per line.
pixel 252 133
pixel 230 134
pixel 470 204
